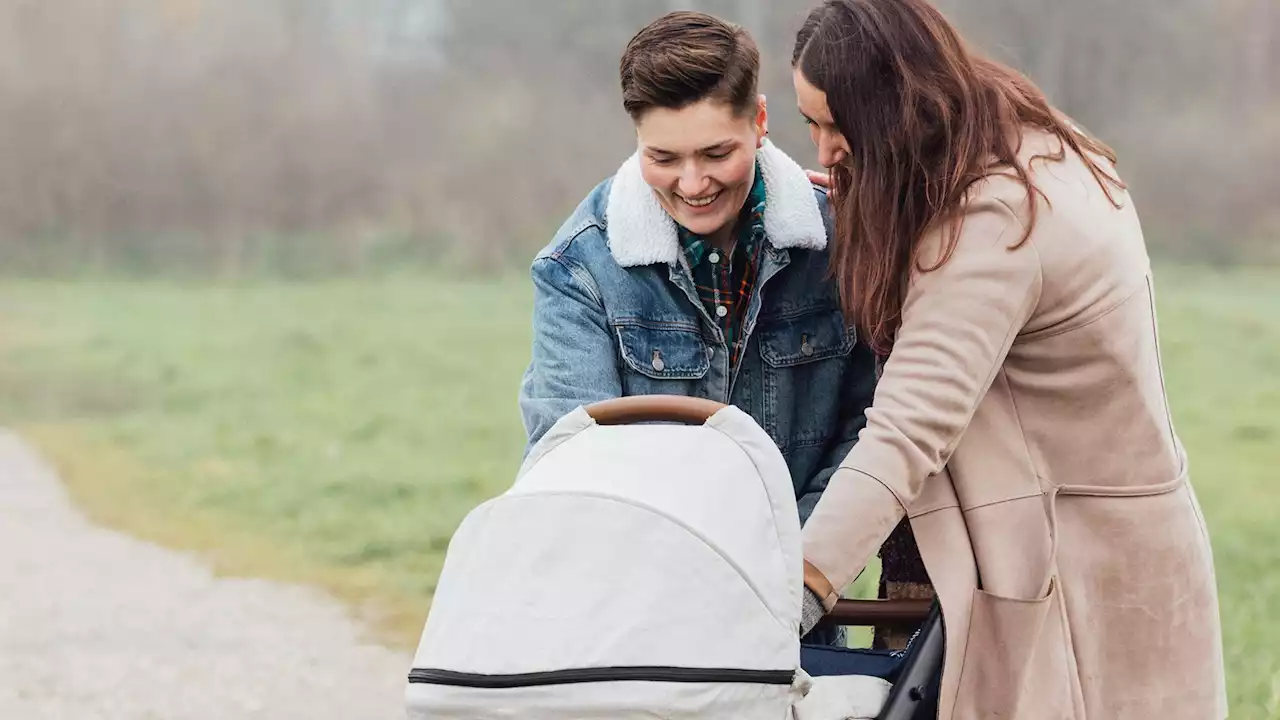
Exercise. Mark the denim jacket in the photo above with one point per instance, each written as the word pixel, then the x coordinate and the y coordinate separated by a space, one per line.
pixel 616 313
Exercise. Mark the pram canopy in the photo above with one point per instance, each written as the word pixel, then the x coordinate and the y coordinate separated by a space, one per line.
pixel 631 571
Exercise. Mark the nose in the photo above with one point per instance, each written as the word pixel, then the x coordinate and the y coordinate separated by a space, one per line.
pixel 830 154
pixel 693 182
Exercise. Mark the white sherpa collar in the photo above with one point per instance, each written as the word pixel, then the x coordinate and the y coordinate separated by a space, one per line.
pixel 642 233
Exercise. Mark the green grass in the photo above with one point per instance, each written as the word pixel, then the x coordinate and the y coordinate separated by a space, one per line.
pixel 1221 338
pixel 337 432
pixel 334 433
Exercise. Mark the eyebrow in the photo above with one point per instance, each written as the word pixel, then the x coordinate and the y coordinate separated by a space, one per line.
pixel 723 144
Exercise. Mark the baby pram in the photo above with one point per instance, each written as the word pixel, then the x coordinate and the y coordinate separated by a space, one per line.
pixel 646 563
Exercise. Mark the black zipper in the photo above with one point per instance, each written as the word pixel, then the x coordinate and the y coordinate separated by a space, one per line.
pixel 601 675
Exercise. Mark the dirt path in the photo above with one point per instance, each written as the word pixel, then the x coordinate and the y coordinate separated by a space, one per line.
pixel 95 624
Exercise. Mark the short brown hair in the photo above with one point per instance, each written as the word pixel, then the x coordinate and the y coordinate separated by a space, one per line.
pixel 685 57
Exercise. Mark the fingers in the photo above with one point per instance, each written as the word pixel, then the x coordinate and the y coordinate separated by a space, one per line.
pixel 819 178
pixel 822 180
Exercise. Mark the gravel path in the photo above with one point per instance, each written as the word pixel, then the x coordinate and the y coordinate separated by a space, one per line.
pixel 95 624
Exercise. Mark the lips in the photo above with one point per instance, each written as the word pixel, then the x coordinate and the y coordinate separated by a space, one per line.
pixel 700 202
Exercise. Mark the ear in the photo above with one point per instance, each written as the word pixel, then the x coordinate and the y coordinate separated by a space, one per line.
pixel 762 120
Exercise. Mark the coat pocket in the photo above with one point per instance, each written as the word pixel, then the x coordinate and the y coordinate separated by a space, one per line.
pixel 1015 660
pixel 1143 600
pixel 787 342
pixel 805 358
pixel 663 352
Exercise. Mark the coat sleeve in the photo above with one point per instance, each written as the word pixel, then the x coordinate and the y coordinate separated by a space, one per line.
pixel 958 324
pixel 574 360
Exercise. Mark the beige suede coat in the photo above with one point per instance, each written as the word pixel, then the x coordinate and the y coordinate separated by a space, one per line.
pixel 1021 424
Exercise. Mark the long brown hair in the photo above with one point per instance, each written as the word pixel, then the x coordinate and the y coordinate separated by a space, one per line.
pixel 925 117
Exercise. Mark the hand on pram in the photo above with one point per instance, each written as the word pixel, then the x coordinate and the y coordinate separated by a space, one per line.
pixel 811 613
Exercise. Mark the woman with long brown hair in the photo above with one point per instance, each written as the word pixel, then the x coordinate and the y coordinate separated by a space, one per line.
pixel 987 248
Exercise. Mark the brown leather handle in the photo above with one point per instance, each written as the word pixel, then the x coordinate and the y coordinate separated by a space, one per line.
pixel 896 613
pixel 653 408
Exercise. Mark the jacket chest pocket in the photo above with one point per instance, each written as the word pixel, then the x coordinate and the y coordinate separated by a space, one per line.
pixel 661 358
pixel 792 341
pixel 805 363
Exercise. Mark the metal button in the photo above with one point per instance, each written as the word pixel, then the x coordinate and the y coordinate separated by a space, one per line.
pixel 721 311
pixel 805 348
pixel 714 257
pixel 658 364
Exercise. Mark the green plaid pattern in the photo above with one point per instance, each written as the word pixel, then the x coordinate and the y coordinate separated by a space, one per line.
pixel 725 285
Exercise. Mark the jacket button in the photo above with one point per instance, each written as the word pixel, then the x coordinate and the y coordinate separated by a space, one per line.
pixel 658 364
pixel 806 349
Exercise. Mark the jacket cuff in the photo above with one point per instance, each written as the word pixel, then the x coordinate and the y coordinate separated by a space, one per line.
pixel 811 613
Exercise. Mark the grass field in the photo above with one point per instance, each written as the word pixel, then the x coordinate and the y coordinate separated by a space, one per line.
pixel 335 433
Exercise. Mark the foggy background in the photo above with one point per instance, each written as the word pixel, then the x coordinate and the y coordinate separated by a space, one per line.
pixel 311 137
pixel 265 304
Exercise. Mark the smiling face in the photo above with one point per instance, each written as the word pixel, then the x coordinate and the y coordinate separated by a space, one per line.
pixel 833 148
pixel 700 161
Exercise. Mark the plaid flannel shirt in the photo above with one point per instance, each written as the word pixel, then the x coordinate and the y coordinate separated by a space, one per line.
pixel 726 284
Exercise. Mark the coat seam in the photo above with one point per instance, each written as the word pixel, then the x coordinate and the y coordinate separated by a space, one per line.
pixel 1002 501
pixel 562 248
pixel 580 274
pixel 964 659
pixel 892 492
pixel 1164 391
pixel 1010 338
pixel 931 511
pixel 634 321
pixel 1022 432
pixel 1047 333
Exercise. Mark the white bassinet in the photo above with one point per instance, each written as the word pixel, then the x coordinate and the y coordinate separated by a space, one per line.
pixel 633 571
